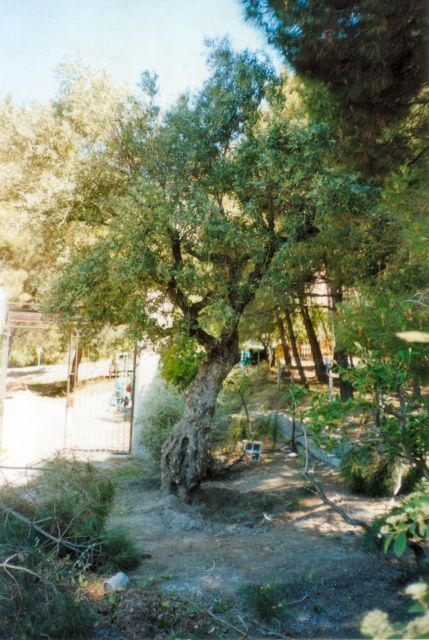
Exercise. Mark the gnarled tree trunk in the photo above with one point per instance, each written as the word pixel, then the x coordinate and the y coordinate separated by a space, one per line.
pixel 184 459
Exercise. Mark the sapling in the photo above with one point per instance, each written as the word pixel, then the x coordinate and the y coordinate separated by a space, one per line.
pixel 294 397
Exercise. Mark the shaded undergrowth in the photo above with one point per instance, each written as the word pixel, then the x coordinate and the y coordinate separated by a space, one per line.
pixel 52 531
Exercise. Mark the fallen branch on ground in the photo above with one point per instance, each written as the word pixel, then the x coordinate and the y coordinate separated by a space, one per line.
pixel 14 567
pixel 418 551
pixel 77 549
pixel 354 522
pixel 230 466
pixel 215 617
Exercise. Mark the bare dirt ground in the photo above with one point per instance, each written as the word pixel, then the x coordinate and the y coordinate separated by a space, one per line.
pixel 259 525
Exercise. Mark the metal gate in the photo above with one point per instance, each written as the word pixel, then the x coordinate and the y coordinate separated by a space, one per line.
pixel 42 412
pixel 100 398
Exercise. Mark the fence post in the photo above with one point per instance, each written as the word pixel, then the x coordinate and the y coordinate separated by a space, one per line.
pixel 133 396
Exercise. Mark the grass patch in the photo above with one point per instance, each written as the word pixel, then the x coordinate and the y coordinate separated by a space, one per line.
pixel 121 472
pixel 266 601
pixel 49 389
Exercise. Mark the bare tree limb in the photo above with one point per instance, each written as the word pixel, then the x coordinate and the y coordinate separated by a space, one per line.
pixel 416 548
pixel 354 522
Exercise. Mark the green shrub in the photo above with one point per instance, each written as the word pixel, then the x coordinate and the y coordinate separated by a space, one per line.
pixel 410 520
pixel 39 595
pixel 118 550
pixel 265 600
pixel 260 428
pixel 25 344
pixel 410 479
pixel 377 624
pixel 71 500
pixel 162 408
pixel 41 604
pixel 180 362
pixel 369 472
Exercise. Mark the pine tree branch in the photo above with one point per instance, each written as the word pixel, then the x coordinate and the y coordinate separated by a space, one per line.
pixel 32 525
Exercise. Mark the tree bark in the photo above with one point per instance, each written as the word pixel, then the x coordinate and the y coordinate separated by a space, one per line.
pixel 285 346
pixel 184 460
pixel 340 356
pixel 316 352
pixel 74 377
pixel 293 344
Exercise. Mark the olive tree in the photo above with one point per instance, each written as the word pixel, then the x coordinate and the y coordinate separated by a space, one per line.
pixel 186 214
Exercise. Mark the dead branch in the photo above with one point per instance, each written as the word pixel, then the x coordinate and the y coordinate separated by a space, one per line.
pixel 215 617
pixel 322 495
pixel 14 567
pixel 233 464
pixel 8 568
pixel 417 549
pixel 32 525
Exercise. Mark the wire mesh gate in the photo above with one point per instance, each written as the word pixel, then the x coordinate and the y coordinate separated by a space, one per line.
pixel 42 412
pixel 99 404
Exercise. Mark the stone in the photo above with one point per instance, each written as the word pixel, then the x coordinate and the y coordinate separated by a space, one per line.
pixel 118 582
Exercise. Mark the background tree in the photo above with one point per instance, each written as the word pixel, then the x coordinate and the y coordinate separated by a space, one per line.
pixel 41 151
pixel 368 61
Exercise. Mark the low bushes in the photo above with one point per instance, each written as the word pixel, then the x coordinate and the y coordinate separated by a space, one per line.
pixel 162 408
pixel 370 472
pixel 39 597
pixel 52 531
pixel 263 428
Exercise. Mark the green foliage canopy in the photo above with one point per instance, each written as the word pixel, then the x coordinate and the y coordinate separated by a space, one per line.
pixel 186 214
pixel 364 64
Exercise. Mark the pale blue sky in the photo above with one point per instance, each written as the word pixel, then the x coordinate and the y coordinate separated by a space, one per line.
pixel 124 37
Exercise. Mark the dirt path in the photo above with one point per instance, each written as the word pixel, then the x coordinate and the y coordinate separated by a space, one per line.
pixel 260 526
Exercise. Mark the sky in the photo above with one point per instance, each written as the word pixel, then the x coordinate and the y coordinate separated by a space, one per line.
pixel 122 37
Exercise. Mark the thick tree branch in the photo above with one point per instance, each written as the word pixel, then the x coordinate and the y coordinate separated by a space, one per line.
pixel 178 297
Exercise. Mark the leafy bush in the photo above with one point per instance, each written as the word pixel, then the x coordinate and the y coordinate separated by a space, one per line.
pixel 326 419
pixel 162 408
pixel 260 428
pixel 25 343
pixel 180 362
pixel 376 624
pixel 368 472
pixel 233 420
pixel 373 473
pixel 409 521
